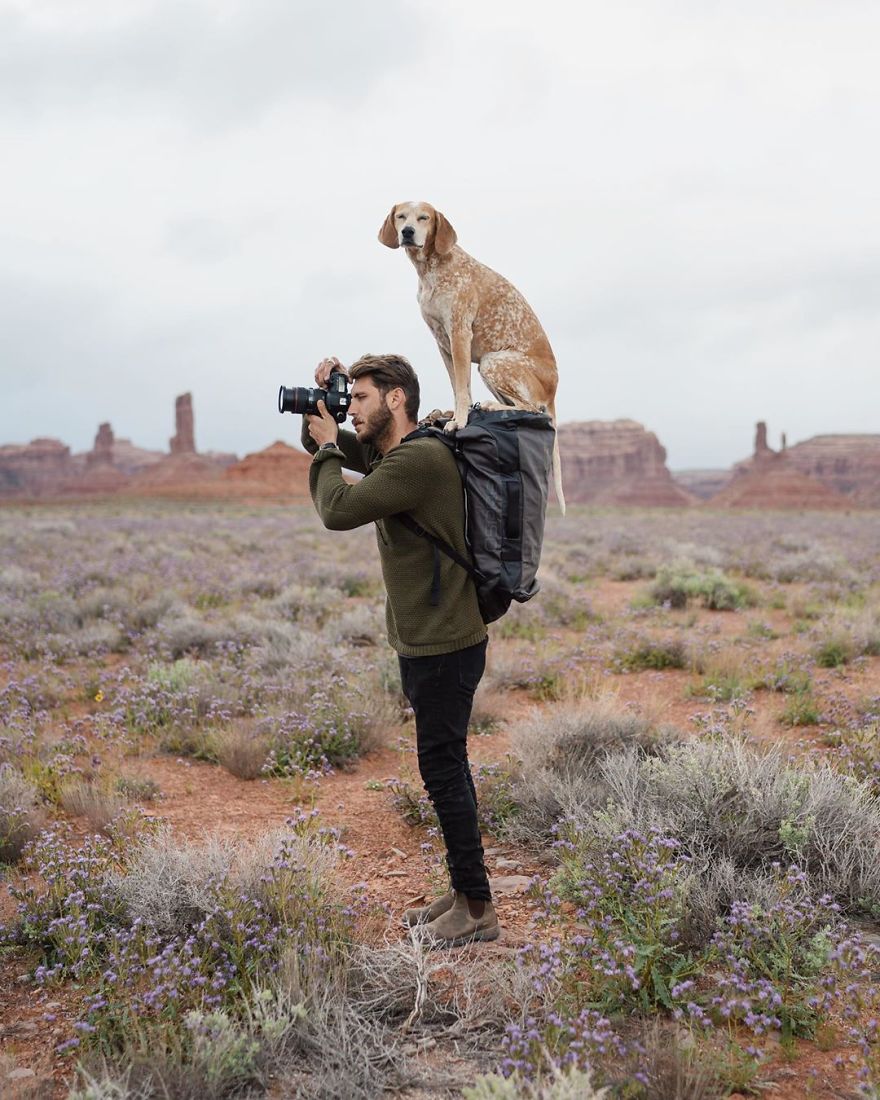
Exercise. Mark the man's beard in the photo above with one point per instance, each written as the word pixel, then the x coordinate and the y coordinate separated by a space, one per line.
pixel 377 427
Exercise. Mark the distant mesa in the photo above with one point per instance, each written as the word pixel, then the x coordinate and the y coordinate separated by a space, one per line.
pixel 34 469
pixel 617 462
pixel 279 470
pixel 847 464
pixel 702 484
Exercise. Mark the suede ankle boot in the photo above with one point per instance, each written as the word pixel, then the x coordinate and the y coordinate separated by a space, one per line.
pixel 456 926
pixel 427 913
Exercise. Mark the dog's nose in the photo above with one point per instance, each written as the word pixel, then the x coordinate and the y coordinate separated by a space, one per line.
pixel 408 232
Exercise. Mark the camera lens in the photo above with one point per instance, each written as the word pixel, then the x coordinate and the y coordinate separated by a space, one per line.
pixel 298 399
pixel 304 399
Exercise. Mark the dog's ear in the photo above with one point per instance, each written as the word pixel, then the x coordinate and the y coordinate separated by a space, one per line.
pixel 388 232
pixel 444 235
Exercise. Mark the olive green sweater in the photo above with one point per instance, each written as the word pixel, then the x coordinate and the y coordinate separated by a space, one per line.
pixel 419 477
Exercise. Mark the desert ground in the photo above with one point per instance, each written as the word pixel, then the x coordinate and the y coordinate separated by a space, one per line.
pixel 211 817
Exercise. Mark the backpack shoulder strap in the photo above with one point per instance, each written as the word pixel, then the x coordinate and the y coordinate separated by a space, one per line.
pixel 430 432
pixel 411 525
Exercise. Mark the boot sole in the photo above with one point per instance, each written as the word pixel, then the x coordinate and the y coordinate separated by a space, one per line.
pixel 421 920
pixel 414 923
pixel 482 934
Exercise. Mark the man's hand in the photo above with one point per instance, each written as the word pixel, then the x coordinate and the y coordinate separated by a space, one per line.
pixel 325 368
pixel 323 428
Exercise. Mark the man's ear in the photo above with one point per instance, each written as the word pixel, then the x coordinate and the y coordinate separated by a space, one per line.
pixel 388 232
pixel 444 235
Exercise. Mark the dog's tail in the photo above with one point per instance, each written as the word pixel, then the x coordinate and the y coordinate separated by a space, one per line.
pixel 557 464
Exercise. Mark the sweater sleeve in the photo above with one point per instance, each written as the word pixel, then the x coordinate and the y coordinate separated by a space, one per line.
pixel 356 457
pixel 397 484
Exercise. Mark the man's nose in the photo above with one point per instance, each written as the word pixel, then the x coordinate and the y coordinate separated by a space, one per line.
pixel 408 232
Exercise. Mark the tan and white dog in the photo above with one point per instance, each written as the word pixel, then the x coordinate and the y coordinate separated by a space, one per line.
pixel 476 316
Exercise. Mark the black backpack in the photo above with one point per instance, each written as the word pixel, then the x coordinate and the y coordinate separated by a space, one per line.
pixel 505 460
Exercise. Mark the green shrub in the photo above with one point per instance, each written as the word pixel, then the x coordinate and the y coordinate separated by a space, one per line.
pixel 720 687
pixel 649 653
pixel 761 631
pixel 785 676
pixel 833 652
pixel 174 677
pixel 676 586
pixel 858 752
pixel 137 788
pixel 801 710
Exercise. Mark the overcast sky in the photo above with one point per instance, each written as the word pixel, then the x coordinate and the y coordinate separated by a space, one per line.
pixel 686 192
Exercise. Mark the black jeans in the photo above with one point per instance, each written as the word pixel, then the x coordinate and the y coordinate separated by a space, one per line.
pixel 441 690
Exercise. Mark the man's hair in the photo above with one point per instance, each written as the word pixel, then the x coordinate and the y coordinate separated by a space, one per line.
pixel 389 372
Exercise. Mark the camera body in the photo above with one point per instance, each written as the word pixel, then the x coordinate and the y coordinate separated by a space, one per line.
pixel 304 399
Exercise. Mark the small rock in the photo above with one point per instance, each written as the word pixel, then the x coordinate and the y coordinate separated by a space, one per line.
pixel 398 852
pixel 20 1074
pixel 508 864
pixel 510 884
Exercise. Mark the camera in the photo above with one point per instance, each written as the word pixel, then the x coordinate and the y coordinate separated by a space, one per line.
pixel 304 399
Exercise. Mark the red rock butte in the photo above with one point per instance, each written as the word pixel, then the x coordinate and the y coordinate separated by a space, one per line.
pixel 616 462
pixel 848 464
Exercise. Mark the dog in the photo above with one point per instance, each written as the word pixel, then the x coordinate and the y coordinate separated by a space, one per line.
pixel 476 316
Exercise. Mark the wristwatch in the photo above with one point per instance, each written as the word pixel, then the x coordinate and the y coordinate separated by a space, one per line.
pixel 328 447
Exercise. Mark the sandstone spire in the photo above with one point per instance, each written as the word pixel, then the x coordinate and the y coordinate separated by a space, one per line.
pixel 183 442
pixel 102 451
pixel 761 445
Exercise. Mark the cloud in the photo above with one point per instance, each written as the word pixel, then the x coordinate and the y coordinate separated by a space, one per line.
pixel 219 64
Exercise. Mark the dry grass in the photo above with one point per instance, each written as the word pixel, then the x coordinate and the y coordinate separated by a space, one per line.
pixel 98 805
pixel 21 816
pixel 241 748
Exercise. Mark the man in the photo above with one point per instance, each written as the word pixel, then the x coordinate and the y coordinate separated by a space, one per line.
pixel 433 620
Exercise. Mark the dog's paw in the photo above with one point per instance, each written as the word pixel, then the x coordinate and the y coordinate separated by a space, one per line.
pixel 433 416
pixel 459 419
